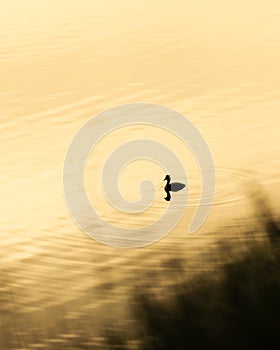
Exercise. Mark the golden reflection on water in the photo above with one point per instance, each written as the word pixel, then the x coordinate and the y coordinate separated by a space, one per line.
pixel 63 62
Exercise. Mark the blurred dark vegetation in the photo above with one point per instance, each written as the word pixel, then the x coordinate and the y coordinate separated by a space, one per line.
pixel 236 306
pixel 239 310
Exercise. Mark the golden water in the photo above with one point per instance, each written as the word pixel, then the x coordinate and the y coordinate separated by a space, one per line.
pixel 61 62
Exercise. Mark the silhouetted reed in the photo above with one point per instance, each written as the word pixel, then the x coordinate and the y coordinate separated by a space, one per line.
pixel 238 310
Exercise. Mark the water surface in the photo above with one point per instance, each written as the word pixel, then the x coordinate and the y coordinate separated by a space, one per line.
pixel 63 62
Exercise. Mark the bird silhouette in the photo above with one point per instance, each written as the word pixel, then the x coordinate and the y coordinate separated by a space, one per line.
pixel 171 187
pixel 167 187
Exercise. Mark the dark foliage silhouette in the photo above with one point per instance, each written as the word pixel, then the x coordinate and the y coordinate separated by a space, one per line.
pixel 240 310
